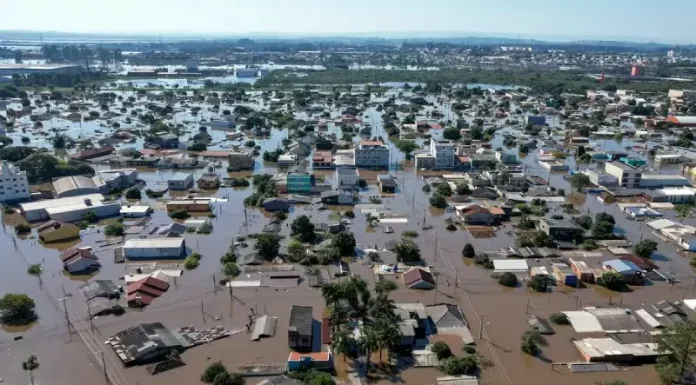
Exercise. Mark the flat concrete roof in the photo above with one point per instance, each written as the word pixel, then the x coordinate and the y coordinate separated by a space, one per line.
pixel 44 204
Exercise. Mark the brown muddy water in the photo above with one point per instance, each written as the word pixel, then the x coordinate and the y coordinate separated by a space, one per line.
pixel 196 300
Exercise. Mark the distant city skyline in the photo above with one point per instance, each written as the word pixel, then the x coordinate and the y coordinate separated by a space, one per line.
pixel 624 20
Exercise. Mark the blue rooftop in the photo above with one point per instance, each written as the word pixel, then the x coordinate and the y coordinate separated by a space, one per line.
pixel 621 266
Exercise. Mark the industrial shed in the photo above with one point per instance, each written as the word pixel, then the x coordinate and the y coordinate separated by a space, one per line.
pixel 69 209
pixel 160 248
pixel 72 186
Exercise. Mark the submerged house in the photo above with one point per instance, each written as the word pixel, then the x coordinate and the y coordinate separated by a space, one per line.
pixel 79 260
pixel 300 329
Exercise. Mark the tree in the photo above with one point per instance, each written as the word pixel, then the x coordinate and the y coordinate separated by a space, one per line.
pixel 303 229
pixel 541 239
pixel 267 245
pixel 387 331
pixel 407 252
pixel 114 230
pixel 538 283
pixel 212 371
pixel 605 217
pixel 451 133
pixel 531 339
pixel 438 201
pixel 296 251
pixel 444 189
pixel 133 193
pixel 344 242
pixel 15 154
pixel 677 343
pixel 31 364
pixel 612 281
pixel 579 181
pixel 441 350
pixel 406 146
pixel 341 342
pixel 34 269
pixel 645 248
pixel 584 221
pixel 683 211
pixel 22 228
pixel 458 366
pixel 368 343
pixel 91 216
pixel 560 319
pixel 17 309
pixel 468 251
pixel 230 270
pixel 602 229
pixel 318 378
pixel 463 189
pixel 385 286
pixel 508 279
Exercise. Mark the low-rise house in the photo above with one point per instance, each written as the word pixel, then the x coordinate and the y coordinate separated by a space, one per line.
pixel 299 182
pixel 632 274
pixel 338 197
pixel 286 160
pixel 143 292
pixel 180 181
pixel 387 184
pixel 165 141
pixel 300 328
pixel 139 211
pixel 275 204
pixel 92 153
pixel 192 205
pixel 560 229
pixel 79 260
pixel 564 274
pixel 208 181
pixel 111 180
pixel 476 215
pixel 347 178
pixel 147 343
pixel 306 361
pixel 322 160
pixel 54 231
pixel 240 160
pixel 151 249
pixel 419 278
pixel 171 230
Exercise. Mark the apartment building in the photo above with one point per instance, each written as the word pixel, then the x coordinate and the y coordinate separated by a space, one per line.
pixel 14 185
pixel 628 177
pixel 444 153
pixel 371 154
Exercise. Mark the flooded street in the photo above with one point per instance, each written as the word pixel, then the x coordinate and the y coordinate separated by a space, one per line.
pixel 197 299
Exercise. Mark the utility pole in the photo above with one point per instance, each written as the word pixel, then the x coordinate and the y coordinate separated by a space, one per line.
pixel 89 313
pixel 214 285
pixel 65 308
pixel 106 375
pixel 480 326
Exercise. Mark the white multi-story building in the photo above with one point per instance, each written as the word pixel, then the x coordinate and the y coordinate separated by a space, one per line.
pixel 371 154
pixel 444 153
pixel 14 185
pixel 628 177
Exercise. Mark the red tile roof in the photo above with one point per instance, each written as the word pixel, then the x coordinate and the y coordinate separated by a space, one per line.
pixel 320 356
pixel 496 211
pixel 371 143
pixel 145 298
pixel 152 286
pixel 71 254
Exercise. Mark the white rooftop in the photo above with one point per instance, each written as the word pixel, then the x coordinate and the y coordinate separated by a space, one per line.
pixel 154 243
pixel 45 204
pixel 510 265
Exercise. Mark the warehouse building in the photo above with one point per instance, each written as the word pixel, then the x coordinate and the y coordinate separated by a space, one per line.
pixel 71 209
pixel 160 248
pixel 26 69
pixel 72 186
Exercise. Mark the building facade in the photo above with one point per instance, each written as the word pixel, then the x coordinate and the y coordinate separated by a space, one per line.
pixel 240 160
pixel 628 177
pixel 14 185
pixel 299 182
pixel 444 153
pixel 371 154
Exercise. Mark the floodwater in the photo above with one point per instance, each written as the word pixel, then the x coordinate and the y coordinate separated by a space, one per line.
pixel 195 298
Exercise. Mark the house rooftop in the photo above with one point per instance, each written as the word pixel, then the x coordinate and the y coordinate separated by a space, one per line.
pixel 301 319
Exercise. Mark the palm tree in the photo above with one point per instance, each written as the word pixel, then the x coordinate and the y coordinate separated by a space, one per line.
pixel 341 341
pixel 683 211
pixel 383 308
pixel 339 316
pixel 388 335
pixel 31 364
pixel 368 343
pixel 332 293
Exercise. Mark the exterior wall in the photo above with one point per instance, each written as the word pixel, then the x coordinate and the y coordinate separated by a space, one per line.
pixel 64 232
pixel 240 162
pixel 79 192
pixel 425 161
pixel 180 184
pixel 14 185
pixel 371 156
pixel 444 154
pixel 677 181
pixel 299 183
pixel 103 211
pixel 154 252
pixel 626 178
pixel 194 207
pixel 347 181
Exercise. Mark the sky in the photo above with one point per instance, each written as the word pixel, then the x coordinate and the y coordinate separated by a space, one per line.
pixel 635 20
